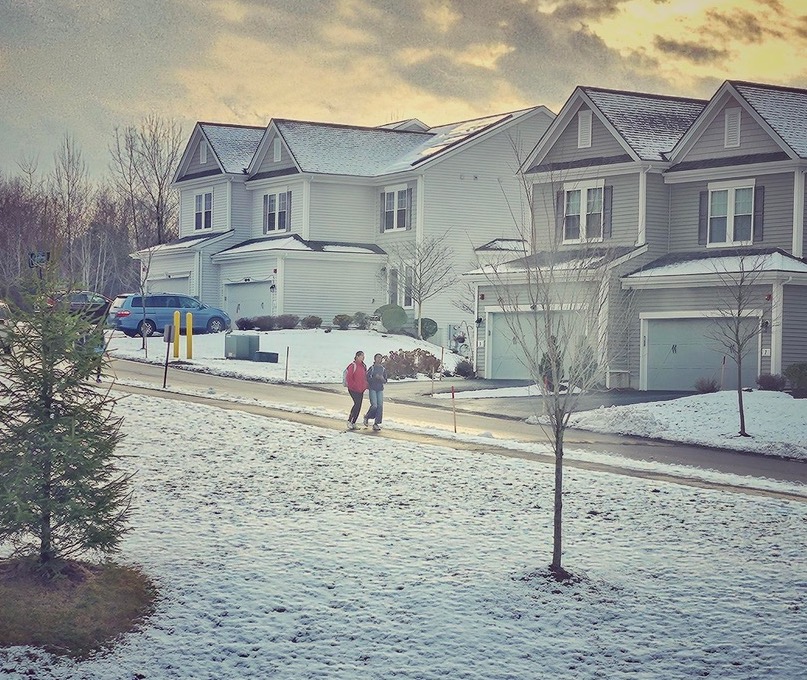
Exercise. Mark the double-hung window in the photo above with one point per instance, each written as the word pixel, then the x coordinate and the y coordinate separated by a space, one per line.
pixel 277 212
pixel 401 286
pixel 582 206
pixel 396 208
pixel 203 215
pixel 731 213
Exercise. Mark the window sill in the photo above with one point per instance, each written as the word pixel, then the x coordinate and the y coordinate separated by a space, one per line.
pixel 582 241
pixel 729 244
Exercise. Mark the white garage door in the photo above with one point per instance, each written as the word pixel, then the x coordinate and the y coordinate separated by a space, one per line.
pixel 176 284
pixel 507 358
pixel 681 351
pixel 250 299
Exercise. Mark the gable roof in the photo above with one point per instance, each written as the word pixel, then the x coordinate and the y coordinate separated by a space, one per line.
pixel 233 145
pixel 294 242
pixel 780 111
pixel 646 125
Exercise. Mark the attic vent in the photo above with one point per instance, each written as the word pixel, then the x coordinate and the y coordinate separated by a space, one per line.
pixel 276 149
pixel 583 129
pixel 203 153
pixel 732 132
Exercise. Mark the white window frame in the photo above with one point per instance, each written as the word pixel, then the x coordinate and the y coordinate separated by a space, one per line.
pixel 203 211
pixel 731 129
pixel 278 202
pixel 731 188
pixel 584 122
pixel 584 188
pixel 276 150
pixel 203 153
pixel 393 206
pixel 407 283
pixel 399 290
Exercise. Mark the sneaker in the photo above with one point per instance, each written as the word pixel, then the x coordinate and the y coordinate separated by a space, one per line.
pixel 366 421
pixel 376 427
pixel 351 426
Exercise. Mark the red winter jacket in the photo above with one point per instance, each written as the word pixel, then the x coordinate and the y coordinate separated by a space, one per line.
pixel 356 377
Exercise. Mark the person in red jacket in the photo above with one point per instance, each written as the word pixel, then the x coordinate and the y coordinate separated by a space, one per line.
pixel 355 380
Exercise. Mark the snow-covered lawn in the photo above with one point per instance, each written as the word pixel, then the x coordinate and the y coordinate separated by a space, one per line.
pixel 777 422
pixel 289 551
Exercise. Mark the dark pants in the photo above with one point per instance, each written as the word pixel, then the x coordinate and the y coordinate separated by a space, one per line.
pixel 354 412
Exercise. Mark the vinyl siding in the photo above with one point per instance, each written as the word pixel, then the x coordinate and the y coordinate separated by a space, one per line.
pixel 794 325
pixel 657 213
pixel 195 166
pixel 268 163
pixel 259 268
pixel 603 143
pixel 162 266
pixel 344 212
pixel 241 218
pixel 221 209
pixel 710 144
pixel 778 220
pixel 297 206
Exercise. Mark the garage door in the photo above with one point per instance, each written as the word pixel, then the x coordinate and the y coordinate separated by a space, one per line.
pixel 249 299
pixel 507 358
pixel 680 351
pixel 176 284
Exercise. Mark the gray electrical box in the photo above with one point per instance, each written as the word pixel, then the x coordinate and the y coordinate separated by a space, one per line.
pixel 241 346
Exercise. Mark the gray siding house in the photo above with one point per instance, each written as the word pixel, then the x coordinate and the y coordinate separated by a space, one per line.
pixel 688 196
pixel 301 217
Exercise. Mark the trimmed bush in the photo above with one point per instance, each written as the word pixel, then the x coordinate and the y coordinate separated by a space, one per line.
pixel 361 321
pixel 245 323
pixel 796 375
pixel 771 383
pixel 707 385
pixel 427 363
pixel 287 321
pixel 428 327
pixel 401 364
pixel 464 369
pixel 311 322
pixel 264 323
pixel 343 321
pixel 394 318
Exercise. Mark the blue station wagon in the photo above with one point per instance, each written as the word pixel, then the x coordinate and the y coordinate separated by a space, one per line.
pixel 130 315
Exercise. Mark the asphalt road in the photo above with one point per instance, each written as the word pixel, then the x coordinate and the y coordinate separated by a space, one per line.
pixel 496 418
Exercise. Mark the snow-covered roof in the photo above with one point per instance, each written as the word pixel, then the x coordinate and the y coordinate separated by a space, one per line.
pixel 503 245
pixel 183 244
pixel 650 124
pixel 233 145
pixel 783 108
pixel 294 242
pixel 568 260
pixel 727 261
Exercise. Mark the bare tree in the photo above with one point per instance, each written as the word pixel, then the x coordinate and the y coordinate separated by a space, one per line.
pixel 144 157
pixel 557 302
pixel 736 329
pixel 426 268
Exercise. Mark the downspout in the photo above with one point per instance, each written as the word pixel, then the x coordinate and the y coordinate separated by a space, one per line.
pixel 641 237
pixel 476 327
pixel 798 212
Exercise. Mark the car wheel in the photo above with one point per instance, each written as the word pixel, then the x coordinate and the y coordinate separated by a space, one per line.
pixel 146 328
pixel 215 325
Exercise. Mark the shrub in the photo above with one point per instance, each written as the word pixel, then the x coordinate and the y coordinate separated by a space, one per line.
pixel 287 321
pixel 464 369
pixel 245 323
pixel 393 317
pixel 361 320
pixel 264 323
pixel 707 385
pixel 428 327
pixel 796 375
pixel 771 383
pixel 401 364
pixel 311 322
pixel 343 321
pixel 427 363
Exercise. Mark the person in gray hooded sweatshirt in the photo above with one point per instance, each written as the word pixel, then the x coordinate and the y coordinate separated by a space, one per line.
pixel 376 377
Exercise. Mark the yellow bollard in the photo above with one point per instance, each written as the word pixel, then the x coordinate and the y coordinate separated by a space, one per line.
pixel 177 317
pixel 189 335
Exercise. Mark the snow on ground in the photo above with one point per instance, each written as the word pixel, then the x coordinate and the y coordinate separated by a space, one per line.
pixel 289 551
pixel 777 422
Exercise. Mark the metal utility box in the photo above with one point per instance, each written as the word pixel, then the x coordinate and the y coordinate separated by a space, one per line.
pixel 241 346
pixel 269 357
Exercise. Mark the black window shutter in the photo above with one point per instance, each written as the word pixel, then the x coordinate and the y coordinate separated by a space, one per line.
pixel 560 214
pixel 383 212
pixel 288 211
pixel 409 207
pixel 703 218
pixel 607 201
pixel 759 212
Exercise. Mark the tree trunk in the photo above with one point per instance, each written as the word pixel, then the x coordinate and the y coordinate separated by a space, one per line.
pixel 740 406
pixel 557 539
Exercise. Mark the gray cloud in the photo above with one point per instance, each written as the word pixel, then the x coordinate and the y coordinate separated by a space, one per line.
pixel 743 25
pixel 695 52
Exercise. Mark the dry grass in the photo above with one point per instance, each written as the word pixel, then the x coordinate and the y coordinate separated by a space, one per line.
pixel 73 609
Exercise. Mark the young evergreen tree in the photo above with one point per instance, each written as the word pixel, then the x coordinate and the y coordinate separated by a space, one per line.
pixel 62 493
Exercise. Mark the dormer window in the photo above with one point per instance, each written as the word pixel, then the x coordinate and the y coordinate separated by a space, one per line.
pixel 276 149
pixel 731 136
pixel 202 153
pixel 583 129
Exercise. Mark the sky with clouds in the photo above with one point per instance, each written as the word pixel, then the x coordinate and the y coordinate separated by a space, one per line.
pixel 85 66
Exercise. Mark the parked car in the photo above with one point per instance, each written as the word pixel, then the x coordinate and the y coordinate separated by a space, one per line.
pixel 159 312
pixel 117 304
pixel 93 306
pixel 5 320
